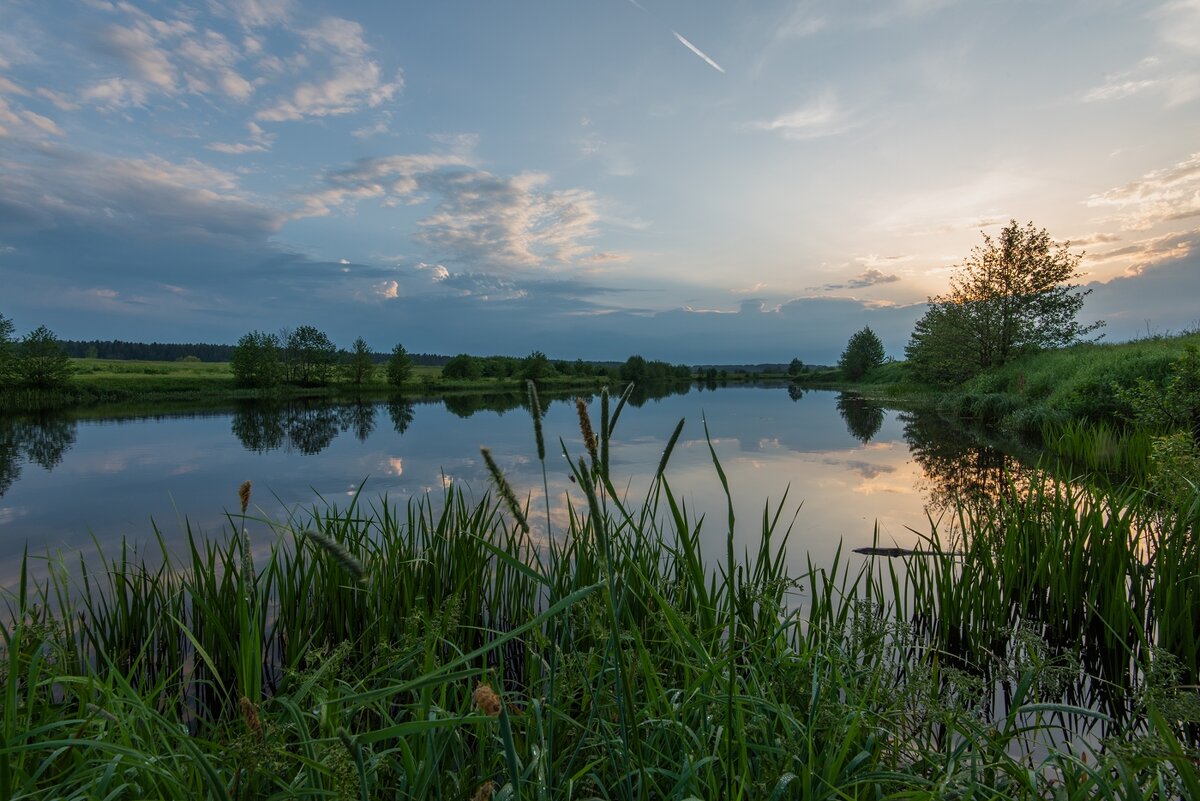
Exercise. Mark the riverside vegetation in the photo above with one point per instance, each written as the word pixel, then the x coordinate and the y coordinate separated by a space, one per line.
pixel 451 649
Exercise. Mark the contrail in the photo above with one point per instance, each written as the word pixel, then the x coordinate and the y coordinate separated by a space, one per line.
pixel 697 51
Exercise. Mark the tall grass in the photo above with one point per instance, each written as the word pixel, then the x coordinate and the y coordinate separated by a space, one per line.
pixel 346 656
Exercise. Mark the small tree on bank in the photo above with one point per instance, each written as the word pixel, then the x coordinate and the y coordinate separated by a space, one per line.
pixel 6 349
pixel 863 353
pixel 399 367
pixel 311 356
pixel 256 361
pixel 1012 295
pixel 795 368
pixel 41 362
pixel 358 366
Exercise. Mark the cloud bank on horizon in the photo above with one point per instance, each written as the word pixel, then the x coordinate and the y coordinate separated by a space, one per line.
pixel 689 181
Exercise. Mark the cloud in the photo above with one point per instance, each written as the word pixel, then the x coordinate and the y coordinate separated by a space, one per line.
pixel 479 217
pixel 21 123
pixel 698 52
pixel 1144 254
pixel 867 278
pixel 259 13
pixel 260 142
pixel 821 117
pixel 356 81
pixel 1168 194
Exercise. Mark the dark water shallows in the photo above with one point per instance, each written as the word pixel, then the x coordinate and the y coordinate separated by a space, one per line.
pixel 852 465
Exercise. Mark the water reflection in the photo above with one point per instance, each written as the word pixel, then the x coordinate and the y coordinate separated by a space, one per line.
pixel 304 426
pixel 956 465
pixel 40 439
pixel 402 413
pixel 863 417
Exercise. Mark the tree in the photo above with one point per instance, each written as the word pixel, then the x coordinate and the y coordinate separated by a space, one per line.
pixel 462 366
pixel 6 348
pixel 41 363
pixel 863 353
pixel 795 368
pixel 358 365
pixel 399 367
pixel 310 356
pixel 1012 295
pixel 256 361
pixel 535 366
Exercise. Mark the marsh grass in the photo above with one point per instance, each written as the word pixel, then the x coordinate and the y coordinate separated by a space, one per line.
pixel 1048 652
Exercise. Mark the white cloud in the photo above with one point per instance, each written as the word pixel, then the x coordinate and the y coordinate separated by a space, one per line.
pixel 259 142
pixel 115 93
pixel 1171 193
pixel 698 52
pixel 355 82
pixel 823 116
pixel 388 290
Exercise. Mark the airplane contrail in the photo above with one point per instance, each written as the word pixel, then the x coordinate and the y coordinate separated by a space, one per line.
pixel 697 51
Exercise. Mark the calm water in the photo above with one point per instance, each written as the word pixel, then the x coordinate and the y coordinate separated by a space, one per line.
pixel 847 465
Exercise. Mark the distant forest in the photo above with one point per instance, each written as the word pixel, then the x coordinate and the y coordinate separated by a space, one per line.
pixel 171 352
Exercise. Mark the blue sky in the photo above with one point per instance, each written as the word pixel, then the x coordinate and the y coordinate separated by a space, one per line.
pixel 693 181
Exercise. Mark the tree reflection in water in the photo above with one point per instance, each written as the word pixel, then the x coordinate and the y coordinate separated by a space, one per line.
pixel 303 426
pixel 41 439
pixel 402 413
pixel 958 466
pixel 863 418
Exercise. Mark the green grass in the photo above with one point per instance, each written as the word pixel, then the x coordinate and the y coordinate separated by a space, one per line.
pixel 339 654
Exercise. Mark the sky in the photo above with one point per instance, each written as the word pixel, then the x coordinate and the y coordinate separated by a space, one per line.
pixel 690 180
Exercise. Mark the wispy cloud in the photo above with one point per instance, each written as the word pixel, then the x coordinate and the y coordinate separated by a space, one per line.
pixel 698 52
pixel 867 278
pixel 356 80
pixel 259 142
pixel 1146 253
pixel 823 116
pixel 1168 194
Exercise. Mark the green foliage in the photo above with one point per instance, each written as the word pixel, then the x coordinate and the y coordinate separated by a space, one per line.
pixel 863 353
pixel 309 357
pixel 358 366
pixel 1171 409
pixel 796 368
pixel 1013 295
pixel 6 349
pixel 462 366
pixel 40 362
pixel 256 362
pixel 535 367
pixel 639 371
pixel 399 366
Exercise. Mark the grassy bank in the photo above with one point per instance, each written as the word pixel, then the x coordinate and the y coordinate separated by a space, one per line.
pixel 106 381
pixel 446 649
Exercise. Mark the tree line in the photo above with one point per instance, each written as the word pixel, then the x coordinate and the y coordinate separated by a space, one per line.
pixel 1013 295
pixel 187 351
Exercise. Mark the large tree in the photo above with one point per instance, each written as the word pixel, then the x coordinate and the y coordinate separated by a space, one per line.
pixel 1013 295
pixel 310 356
pixel 399 367
pixel 358 365
pixel 863 353
pixel 256 361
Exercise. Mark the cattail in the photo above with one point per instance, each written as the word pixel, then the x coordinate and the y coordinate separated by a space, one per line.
pixel 339 553
pixel 250 715
pixel 662 464
pixel 244 495
pixel 585 428
pixel 535 409
pixel 486 700
pixel 506 491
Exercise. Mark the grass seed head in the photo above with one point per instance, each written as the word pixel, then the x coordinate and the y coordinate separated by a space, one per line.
pixel 250 715
pixel 505 489
pixel 244 495
pixel 485 791
pixel 339 553
pixel 585 428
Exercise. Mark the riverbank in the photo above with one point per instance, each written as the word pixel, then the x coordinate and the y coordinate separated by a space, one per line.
pixel 1050 389
pixel 432 650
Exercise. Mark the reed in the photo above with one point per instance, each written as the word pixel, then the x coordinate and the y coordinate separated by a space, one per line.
pixel 1047 650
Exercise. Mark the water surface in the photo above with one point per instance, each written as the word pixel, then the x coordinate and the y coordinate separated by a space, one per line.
pixel 848 467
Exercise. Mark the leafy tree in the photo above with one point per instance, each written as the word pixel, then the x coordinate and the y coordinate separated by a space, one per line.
pixel 863 353
pixel 41 363
pixel 462 366
pixel 399 366
pixel 535 366
pixel 1012 295
pixel 795 368
pixel 358 365
pixel 310 356
pixel 256 361
pixel 6 348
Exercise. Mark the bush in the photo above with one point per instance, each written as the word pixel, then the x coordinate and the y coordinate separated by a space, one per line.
pixel 41 362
